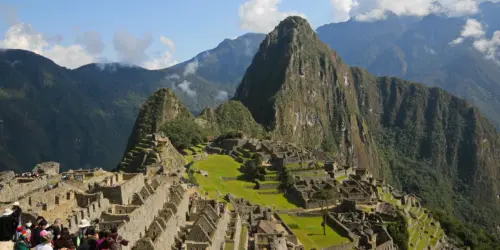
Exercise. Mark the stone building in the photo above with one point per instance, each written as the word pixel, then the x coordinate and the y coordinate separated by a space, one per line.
pixel 209 229
pixel 163 232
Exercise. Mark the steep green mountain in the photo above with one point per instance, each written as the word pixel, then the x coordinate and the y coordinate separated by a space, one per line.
pixel 165 115
pixel 421 139
pixel 302 92
pixel 83 117
pixel 419 50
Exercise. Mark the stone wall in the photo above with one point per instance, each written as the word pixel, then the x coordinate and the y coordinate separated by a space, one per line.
pixel 341 229
pixel 92 211
pixel 345 246
pixel 124 192
pixel 163 230
pixel 143 216
pixel 16 189
pixel 6 176
pixel 234 230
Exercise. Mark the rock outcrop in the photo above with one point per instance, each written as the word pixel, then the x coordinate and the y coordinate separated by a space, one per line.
pixel 49 168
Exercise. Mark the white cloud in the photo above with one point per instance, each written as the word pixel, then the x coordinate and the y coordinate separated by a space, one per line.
pixel 173 77
pixel 131 49
pixel 222 95
pixel 471 29
pixel 24 36
pixel 475 30
pixel 342 9
pixel 72 56
pixel 185 87
pixel 489 47
pixel 164 61
pixel 91 41
pixel 191 68
pixel 262 15
pixel 168 42
pixel 370 10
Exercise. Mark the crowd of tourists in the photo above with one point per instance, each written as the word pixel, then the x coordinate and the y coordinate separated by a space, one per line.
pixel 42 236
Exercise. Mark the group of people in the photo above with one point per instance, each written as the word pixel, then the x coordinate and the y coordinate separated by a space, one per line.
pixel 29 175
pixel 42 236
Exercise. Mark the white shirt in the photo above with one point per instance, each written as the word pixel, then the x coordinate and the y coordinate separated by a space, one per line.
pixel 44 247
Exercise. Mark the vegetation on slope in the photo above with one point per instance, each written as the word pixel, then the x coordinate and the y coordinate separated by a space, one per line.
pixel 423 140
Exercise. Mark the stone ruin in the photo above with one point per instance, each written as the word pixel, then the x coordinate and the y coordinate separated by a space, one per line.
pixel 366 230
pixel 48 168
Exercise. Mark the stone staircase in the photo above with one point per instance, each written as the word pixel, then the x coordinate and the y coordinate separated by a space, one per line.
pixel 142 155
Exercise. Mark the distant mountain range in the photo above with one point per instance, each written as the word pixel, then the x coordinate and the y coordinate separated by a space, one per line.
pixel 83 117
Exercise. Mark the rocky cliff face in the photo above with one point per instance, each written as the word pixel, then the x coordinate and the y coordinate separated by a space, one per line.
pixel 302 92
pixel 422 139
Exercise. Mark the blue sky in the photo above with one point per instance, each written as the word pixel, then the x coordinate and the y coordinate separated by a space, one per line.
pixel 157 34
pixel 193 25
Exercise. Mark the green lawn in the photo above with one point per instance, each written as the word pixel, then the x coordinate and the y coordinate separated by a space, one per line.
pixel 310 232
pixel 219 166
pixel 243 238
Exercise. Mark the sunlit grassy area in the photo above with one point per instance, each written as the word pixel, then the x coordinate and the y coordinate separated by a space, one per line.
pixel 243 237
pixel 310 232
pixel 219 166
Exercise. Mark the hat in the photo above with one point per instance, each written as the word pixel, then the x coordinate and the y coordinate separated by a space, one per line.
pixel 29 224
pixel 43 233
pixel 84 223
pixel 8 211
pixel 16 203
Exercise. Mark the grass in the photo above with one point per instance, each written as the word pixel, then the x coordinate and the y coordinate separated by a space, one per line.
pixel 342 178
pixel 310 232
pixel 219 166
pixel 243 236
pixel 229 246
pixel 293 166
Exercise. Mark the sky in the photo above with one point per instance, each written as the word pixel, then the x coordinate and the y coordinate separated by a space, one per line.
pixel 159 33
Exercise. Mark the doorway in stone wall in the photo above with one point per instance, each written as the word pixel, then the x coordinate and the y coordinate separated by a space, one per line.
pixel 57 199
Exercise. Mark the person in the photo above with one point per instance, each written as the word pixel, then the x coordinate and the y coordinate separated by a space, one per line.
pixel 23 241
pixel 89 242
pixel 45 241
pixel 7 228
pixel 36 238
pixel 64 240
pixel 17 213
pixel 82 228
pixel 102 237
pixel 118 241
pixel 56 228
